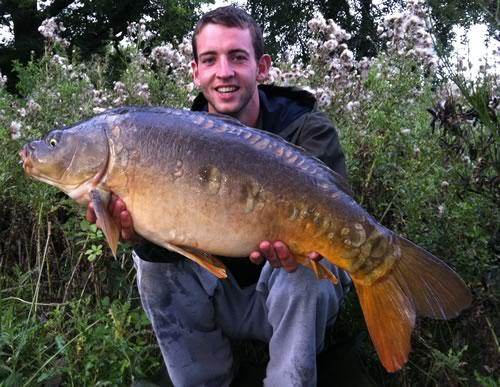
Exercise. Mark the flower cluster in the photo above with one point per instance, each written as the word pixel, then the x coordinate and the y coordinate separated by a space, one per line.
pixel 141 90
pixel 139 31
pixel 166 55
pixel 408 35
pixel 334 76
pixel 15 130
pixel 51 30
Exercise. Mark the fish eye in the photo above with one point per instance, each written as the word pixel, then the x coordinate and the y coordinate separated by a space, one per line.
pixel 52 142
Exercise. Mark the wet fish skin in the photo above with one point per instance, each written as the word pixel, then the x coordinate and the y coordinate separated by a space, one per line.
pixel 198 182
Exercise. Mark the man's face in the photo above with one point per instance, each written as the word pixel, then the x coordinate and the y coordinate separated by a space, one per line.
pixel 227 71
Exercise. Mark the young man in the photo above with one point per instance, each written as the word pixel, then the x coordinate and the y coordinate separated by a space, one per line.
pixel 195 314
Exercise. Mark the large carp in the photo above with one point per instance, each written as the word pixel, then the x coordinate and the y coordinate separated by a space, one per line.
pixel 203 184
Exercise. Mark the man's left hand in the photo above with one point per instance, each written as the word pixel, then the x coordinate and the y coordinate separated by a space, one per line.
pixel 278 254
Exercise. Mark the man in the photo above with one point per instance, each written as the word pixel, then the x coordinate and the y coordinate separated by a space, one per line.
pixel 195 314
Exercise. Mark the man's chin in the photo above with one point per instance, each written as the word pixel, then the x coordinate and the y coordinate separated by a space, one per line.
pixel 228 109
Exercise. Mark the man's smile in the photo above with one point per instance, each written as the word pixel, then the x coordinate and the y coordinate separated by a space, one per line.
pixel 226 89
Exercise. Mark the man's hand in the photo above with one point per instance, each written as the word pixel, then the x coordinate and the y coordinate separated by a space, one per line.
pixel 121 216
pixel 279 255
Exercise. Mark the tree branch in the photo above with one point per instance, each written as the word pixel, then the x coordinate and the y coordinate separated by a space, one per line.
pixel 57 6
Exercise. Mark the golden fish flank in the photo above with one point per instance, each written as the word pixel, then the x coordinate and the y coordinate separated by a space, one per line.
pixel 252 195
pixel 200 184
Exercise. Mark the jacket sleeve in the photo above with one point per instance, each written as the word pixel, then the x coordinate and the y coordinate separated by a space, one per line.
pixel 319 138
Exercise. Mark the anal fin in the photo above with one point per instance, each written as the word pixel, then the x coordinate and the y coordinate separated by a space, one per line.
pixel 202 258
pixel 105 222
pixel 321 271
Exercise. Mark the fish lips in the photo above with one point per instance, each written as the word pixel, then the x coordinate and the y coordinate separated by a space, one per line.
pixel 25 154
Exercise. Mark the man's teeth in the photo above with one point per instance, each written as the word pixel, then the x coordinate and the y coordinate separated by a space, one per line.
pixel 228 89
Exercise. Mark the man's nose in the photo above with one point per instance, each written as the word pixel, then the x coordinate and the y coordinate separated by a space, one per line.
pixel 225 69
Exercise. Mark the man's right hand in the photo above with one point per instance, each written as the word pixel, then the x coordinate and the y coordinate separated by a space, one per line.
pixel 121 216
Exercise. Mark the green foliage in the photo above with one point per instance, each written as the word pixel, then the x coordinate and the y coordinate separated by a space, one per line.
pixel 431 177
pixel 81 342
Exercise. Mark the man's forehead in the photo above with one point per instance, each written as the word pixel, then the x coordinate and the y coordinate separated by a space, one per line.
pixel 217 37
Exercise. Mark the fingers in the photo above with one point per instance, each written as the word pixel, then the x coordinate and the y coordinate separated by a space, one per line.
pixel 314 256
pixel 256 257
pixel 90 215
pixel 278 255
pixel 287 260
pixel 128 232
pixel 270 254
pixel 116 207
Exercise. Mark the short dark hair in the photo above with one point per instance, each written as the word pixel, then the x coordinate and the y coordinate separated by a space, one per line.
pixel 231 16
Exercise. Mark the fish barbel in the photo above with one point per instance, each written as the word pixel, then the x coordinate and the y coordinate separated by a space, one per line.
pixel 205 185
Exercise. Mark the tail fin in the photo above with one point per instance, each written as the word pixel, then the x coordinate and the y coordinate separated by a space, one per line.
pixel 418 284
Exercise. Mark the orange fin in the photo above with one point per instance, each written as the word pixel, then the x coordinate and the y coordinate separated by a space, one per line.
pixel 418 284
pixel 390 318
pixel 202 258
pixel 321 271
pixel 105 222
pixel 436 290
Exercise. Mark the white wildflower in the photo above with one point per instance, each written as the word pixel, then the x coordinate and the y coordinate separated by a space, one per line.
pixel 275 75
pixel 120 88
pixel 330 45
pixel 142 91
pixel 15 130
pixel 165 55
pixel 98 110
pixel 50 29
pixel 405 131
pixel 347 55
pixel 3 80
pixel 32 106
pixel 352 105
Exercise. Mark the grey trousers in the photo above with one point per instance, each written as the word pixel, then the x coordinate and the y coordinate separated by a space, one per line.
pixel 194 315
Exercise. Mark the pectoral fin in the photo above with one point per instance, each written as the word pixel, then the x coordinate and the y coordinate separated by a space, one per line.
pixel 202 258
pixel 105 222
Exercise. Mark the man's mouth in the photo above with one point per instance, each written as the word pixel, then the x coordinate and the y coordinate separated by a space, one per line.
pixel 226 89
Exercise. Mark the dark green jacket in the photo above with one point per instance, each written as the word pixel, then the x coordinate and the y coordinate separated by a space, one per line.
pixel 292 114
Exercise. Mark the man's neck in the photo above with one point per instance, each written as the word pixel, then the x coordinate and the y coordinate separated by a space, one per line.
pixel 248 116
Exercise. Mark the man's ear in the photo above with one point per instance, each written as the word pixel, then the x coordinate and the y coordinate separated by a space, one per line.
pixel 194 68
pixel 263 67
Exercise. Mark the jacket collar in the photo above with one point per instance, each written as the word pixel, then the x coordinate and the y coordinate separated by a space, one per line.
pixel 279 106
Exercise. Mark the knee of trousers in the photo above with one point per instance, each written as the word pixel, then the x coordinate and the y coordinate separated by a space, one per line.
pixel 154 277
pixel 175 291
pixel 303 288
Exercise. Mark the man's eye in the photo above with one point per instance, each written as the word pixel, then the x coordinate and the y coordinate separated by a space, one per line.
pixel 207 60
pixel 240 58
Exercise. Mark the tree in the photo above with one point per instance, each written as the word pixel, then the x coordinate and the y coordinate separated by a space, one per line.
pixel 90 24
pixel 285 23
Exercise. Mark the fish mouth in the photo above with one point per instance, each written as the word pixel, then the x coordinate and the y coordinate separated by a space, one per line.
pixel 25 155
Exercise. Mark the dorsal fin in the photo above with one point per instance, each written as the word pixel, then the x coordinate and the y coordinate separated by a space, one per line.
pixel 227 119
